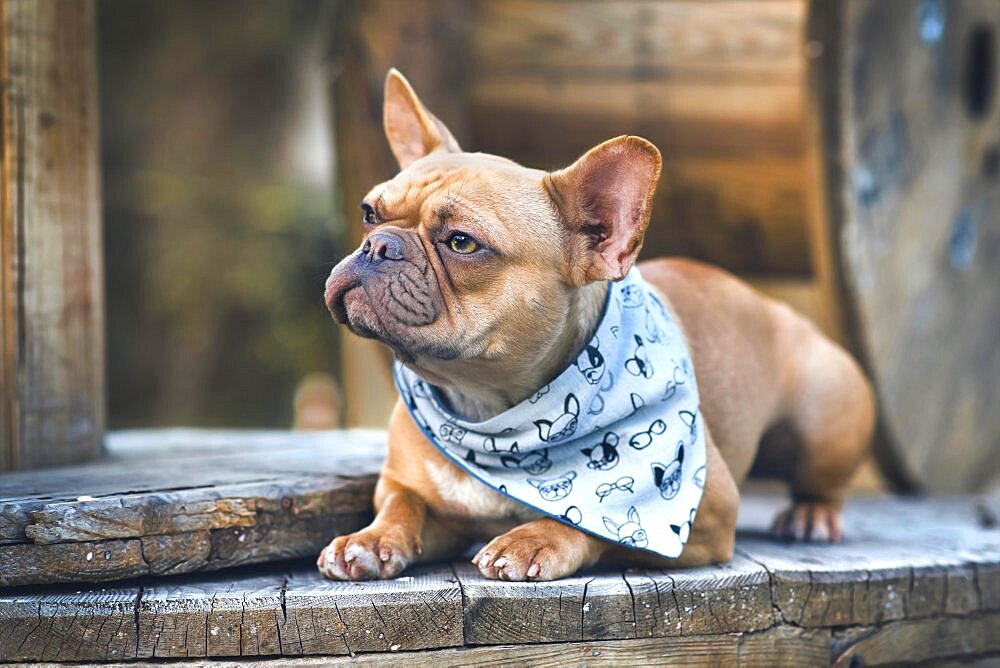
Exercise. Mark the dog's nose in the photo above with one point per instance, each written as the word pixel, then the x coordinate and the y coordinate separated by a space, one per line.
pixel 382 246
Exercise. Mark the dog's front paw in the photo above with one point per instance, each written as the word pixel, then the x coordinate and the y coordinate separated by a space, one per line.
pixel 370 554
pixel 540 550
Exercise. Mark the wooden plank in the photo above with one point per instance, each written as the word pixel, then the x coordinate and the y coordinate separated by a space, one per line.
pixel 747 216
pixel 751 105
pixel 249 613
pixel 160 505
pixel 718 41
pixel 421 609
pixel 66 623
pixel 900 560
pixel 923 641
pixel 713 599
pixel 780 646
pixel 530 612
pixel 636 604
pixel 192 615
pixel 682 119
pixel 51 287
pixel 67 562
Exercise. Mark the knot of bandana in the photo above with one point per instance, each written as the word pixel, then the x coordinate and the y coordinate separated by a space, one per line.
pixel 614 445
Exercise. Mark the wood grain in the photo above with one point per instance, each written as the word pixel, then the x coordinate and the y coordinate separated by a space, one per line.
pixel 51 280
pixel 781 646
pixel 719 87
pixel 176 501
pixel 718 41
pixel 914 580
pixel 918 235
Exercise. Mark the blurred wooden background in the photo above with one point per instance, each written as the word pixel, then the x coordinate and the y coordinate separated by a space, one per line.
pixel 841 156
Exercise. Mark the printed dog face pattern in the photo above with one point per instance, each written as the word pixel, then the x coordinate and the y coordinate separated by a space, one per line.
pixel 604 455
pixel 591 362
pixel 616 437
pixel 556 488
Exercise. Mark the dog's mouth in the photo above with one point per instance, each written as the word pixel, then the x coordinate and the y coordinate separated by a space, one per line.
pixel 389 304
pixel 336 301
pixel 350 307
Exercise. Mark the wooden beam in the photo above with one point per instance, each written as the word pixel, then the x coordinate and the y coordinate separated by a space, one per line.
pixel 51 283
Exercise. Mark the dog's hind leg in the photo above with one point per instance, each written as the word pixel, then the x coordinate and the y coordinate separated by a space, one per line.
pixel 830 406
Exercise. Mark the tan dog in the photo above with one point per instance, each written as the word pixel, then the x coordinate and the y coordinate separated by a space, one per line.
pixel 487 278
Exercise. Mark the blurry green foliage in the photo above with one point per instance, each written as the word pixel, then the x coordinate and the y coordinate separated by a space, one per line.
pixel 220 224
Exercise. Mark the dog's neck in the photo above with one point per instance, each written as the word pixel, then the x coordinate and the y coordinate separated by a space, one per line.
pixel 473 398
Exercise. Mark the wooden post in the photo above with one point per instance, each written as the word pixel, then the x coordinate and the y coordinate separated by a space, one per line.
pixel 51 299
pixel 424 40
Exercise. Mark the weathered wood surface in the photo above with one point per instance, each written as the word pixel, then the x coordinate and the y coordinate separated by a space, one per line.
pixel 914 158
pixel 719 87
pixel 913 580
pixel 51 283
pixel 176 501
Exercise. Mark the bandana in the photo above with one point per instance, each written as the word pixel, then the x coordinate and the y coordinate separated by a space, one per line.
pixel 613 446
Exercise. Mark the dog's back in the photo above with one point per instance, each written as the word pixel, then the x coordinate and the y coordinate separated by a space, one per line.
pixel 759 365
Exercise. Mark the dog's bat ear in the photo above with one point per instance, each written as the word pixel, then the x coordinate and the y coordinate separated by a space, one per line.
pixel 605 199
pixel 412 131
pixel 658 471
pixel 633 515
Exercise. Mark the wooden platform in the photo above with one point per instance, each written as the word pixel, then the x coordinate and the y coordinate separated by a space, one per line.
pixel 914 580
pixel 180 500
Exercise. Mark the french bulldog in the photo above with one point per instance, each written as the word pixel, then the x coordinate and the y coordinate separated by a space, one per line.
pixel 487 279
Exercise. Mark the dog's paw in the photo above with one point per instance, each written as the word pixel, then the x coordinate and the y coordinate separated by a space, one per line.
pixel 528 552
pixel 370 554
pixel 809 520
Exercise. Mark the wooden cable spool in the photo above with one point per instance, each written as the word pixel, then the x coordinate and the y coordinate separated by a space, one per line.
pixel 915 195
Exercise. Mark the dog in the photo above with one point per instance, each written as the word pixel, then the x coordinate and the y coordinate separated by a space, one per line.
pixel 487 279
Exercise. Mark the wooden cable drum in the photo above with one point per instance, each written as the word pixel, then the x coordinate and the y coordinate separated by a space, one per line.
pixel 914 126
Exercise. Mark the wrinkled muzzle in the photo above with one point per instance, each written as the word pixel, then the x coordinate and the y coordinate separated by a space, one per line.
pixel 385 289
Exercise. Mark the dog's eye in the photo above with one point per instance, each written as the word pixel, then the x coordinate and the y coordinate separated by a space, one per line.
pixel 462 244
pixel 369 217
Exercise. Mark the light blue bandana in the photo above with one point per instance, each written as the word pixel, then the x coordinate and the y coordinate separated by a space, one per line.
pixel 614 446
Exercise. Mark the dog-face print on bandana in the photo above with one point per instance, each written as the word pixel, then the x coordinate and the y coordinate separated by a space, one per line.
pixel 613 446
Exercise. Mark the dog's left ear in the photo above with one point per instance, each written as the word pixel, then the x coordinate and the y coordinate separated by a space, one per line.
pixel 412 131
pixel 605 199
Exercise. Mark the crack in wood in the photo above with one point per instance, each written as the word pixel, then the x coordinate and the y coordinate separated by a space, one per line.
pixel 135 617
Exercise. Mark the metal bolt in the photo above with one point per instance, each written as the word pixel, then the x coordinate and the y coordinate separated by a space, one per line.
pixel 962 240
pixel 931 21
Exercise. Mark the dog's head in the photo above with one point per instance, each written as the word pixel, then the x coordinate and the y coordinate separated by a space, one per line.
pixel 469 256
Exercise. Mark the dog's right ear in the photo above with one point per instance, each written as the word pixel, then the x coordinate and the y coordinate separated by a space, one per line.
pixel 605 199
pixel 412 131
